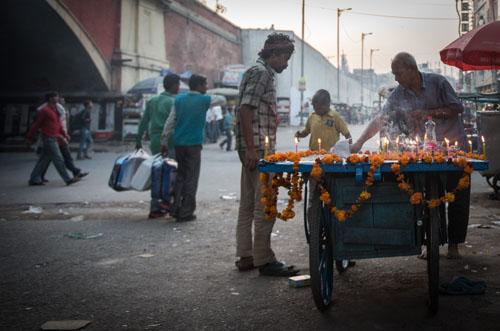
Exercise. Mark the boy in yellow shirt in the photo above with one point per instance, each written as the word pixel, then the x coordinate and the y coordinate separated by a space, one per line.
pixel 327 125
pixel 324 123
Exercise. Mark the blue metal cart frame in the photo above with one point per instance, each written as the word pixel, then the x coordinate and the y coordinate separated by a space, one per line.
pixel 386 225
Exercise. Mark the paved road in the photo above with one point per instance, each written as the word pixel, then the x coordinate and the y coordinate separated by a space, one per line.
pixel 140 274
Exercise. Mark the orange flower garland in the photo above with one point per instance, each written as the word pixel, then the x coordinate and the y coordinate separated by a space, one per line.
pixel 294 181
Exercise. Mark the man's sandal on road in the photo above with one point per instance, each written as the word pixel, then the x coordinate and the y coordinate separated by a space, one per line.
pixel 278 269
pixel 245 263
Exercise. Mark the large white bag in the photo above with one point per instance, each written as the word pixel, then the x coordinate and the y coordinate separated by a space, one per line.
pixel 142 178
pixel 125 168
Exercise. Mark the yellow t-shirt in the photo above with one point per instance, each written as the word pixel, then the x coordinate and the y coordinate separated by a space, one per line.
pixel 327 127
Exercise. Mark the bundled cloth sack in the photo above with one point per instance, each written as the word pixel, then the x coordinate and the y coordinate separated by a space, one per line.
pixel 125 168
pixel 163 176
pixel 142 178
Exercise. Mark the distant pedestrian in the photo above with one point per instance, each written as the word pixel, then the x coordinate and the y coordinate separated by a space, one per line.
pixel 48 122
pixel 63 143
pixel 228 129
pixel 256 120
pixel 187 122
pixel 85 133
pixel 157 111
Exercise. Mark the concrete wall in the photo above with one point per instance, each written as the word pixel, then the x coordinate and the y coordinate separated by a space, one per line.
pixel 318 71
pixel 199 40
pixel 142 41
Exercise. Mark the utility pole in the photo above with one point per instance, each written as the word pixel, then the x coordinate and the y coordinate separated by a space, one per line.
pixel 302 65
pixel 363 35
pixel 372 50
pixel 339 11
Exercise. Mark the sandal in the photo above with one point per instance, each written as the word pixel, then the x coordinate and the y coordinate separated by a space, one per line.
pixel 278 269
pixel 245 263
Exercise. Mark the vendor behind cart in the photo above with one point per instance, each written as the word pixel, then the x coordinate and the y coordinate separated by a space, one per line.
pixel 418 96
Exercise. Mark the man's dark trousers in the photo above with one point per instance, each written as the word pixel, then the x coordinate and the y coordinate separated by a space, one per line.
pixel 458 211
pixel 68 161
pixel 51 152
pixel 186 185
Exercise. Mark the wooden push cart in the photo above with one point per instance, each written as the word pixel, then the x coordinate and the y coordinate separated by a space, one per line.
pixel 387 225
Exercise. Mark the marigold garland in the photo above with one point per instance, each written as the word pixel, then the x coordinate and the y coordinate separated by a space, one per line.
pixel 294 181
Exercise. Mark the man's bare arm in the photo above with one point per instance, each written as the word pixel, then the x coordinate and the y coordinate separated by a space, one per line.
pixel 374 127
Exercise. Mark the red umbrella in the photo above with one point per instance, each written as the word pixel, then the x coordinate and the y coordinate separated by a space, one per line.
pixel 478 49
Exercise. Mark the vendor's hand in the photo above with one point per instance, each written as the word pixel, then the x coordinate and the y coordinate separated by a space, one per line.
pixel 164 150
pixel 297 134
pixel 251 159
pixel 138 146
pixel 356 147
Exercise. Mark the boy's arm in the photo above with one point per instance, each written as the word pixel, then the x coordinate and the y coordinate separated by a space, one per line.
pixel 306 131
pixel 342 128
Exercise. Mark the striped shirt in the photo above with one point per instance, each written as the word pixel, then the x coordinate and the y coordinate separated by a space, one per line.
pixel 258 90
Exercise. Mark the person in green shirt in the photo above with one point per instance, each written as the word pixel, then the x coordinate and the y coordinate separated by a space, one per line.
pixel 157 111
pixel 156 114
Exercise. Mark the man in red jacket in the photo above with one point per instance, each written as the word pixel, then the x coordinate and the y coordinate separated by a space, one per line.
pixel 49 124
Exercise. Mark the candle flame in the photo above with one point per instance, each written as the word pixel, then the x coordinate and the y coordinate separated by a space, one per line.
pixel 417 139
pixel 456 143
pixel 267 140
pixel 397 140
pixel 447 141
pixel 482 138
pixel 470 142
pixel 319 140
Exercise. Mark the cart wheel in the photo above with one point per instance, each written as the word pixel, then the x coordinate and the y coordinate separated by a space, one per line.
pixel 433 258
pixel 321 258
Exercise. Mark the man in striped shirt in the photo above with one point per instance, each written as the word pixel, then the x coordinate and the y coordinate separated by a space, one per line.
pixel 256 120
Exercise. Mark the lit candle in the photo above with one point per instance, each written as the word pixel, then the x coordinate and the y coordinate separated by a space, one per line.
pixel 448 152
pixel 397 144
pixel 417 140
pixel 296 144
pixel 386 144
pixel 470 146
pixel 319 144
pixel 484 146
pixel 266 146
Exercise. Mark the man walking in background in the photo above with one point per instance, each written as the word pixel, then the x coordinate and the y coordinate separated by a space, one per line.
pixel 85 133
pixel 49 123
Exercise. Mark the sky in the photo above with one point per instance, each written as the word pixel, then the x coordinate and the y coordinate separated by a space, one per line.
pixel 423 38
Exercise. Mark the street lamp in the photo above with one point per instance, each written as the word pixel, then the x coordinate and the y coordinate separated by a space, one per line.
pixel 339 11
pixel 372 50
pixel 363 35
pixel 302 65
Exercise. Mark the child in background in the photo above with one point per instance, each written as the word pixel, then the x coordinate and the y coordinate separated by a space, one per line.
pixel 324 124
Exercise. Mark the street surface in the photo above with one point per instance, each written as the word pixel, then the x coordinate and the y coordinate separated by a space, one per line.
pixel 92 254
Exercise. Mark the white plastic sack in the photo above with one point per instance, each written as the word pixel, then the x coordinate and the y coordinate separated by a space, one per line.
pixel 142 178
pixel 342 149
pixel 131 165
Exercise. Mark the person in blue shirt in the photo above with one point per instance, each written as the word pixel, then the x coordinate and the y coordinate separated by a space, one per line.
pixel 187 122
pixel 228 127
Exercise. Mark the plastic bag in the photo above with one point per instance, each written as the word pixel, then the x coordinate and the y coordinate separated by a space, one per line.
pixel 142 178
pixel 125 168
